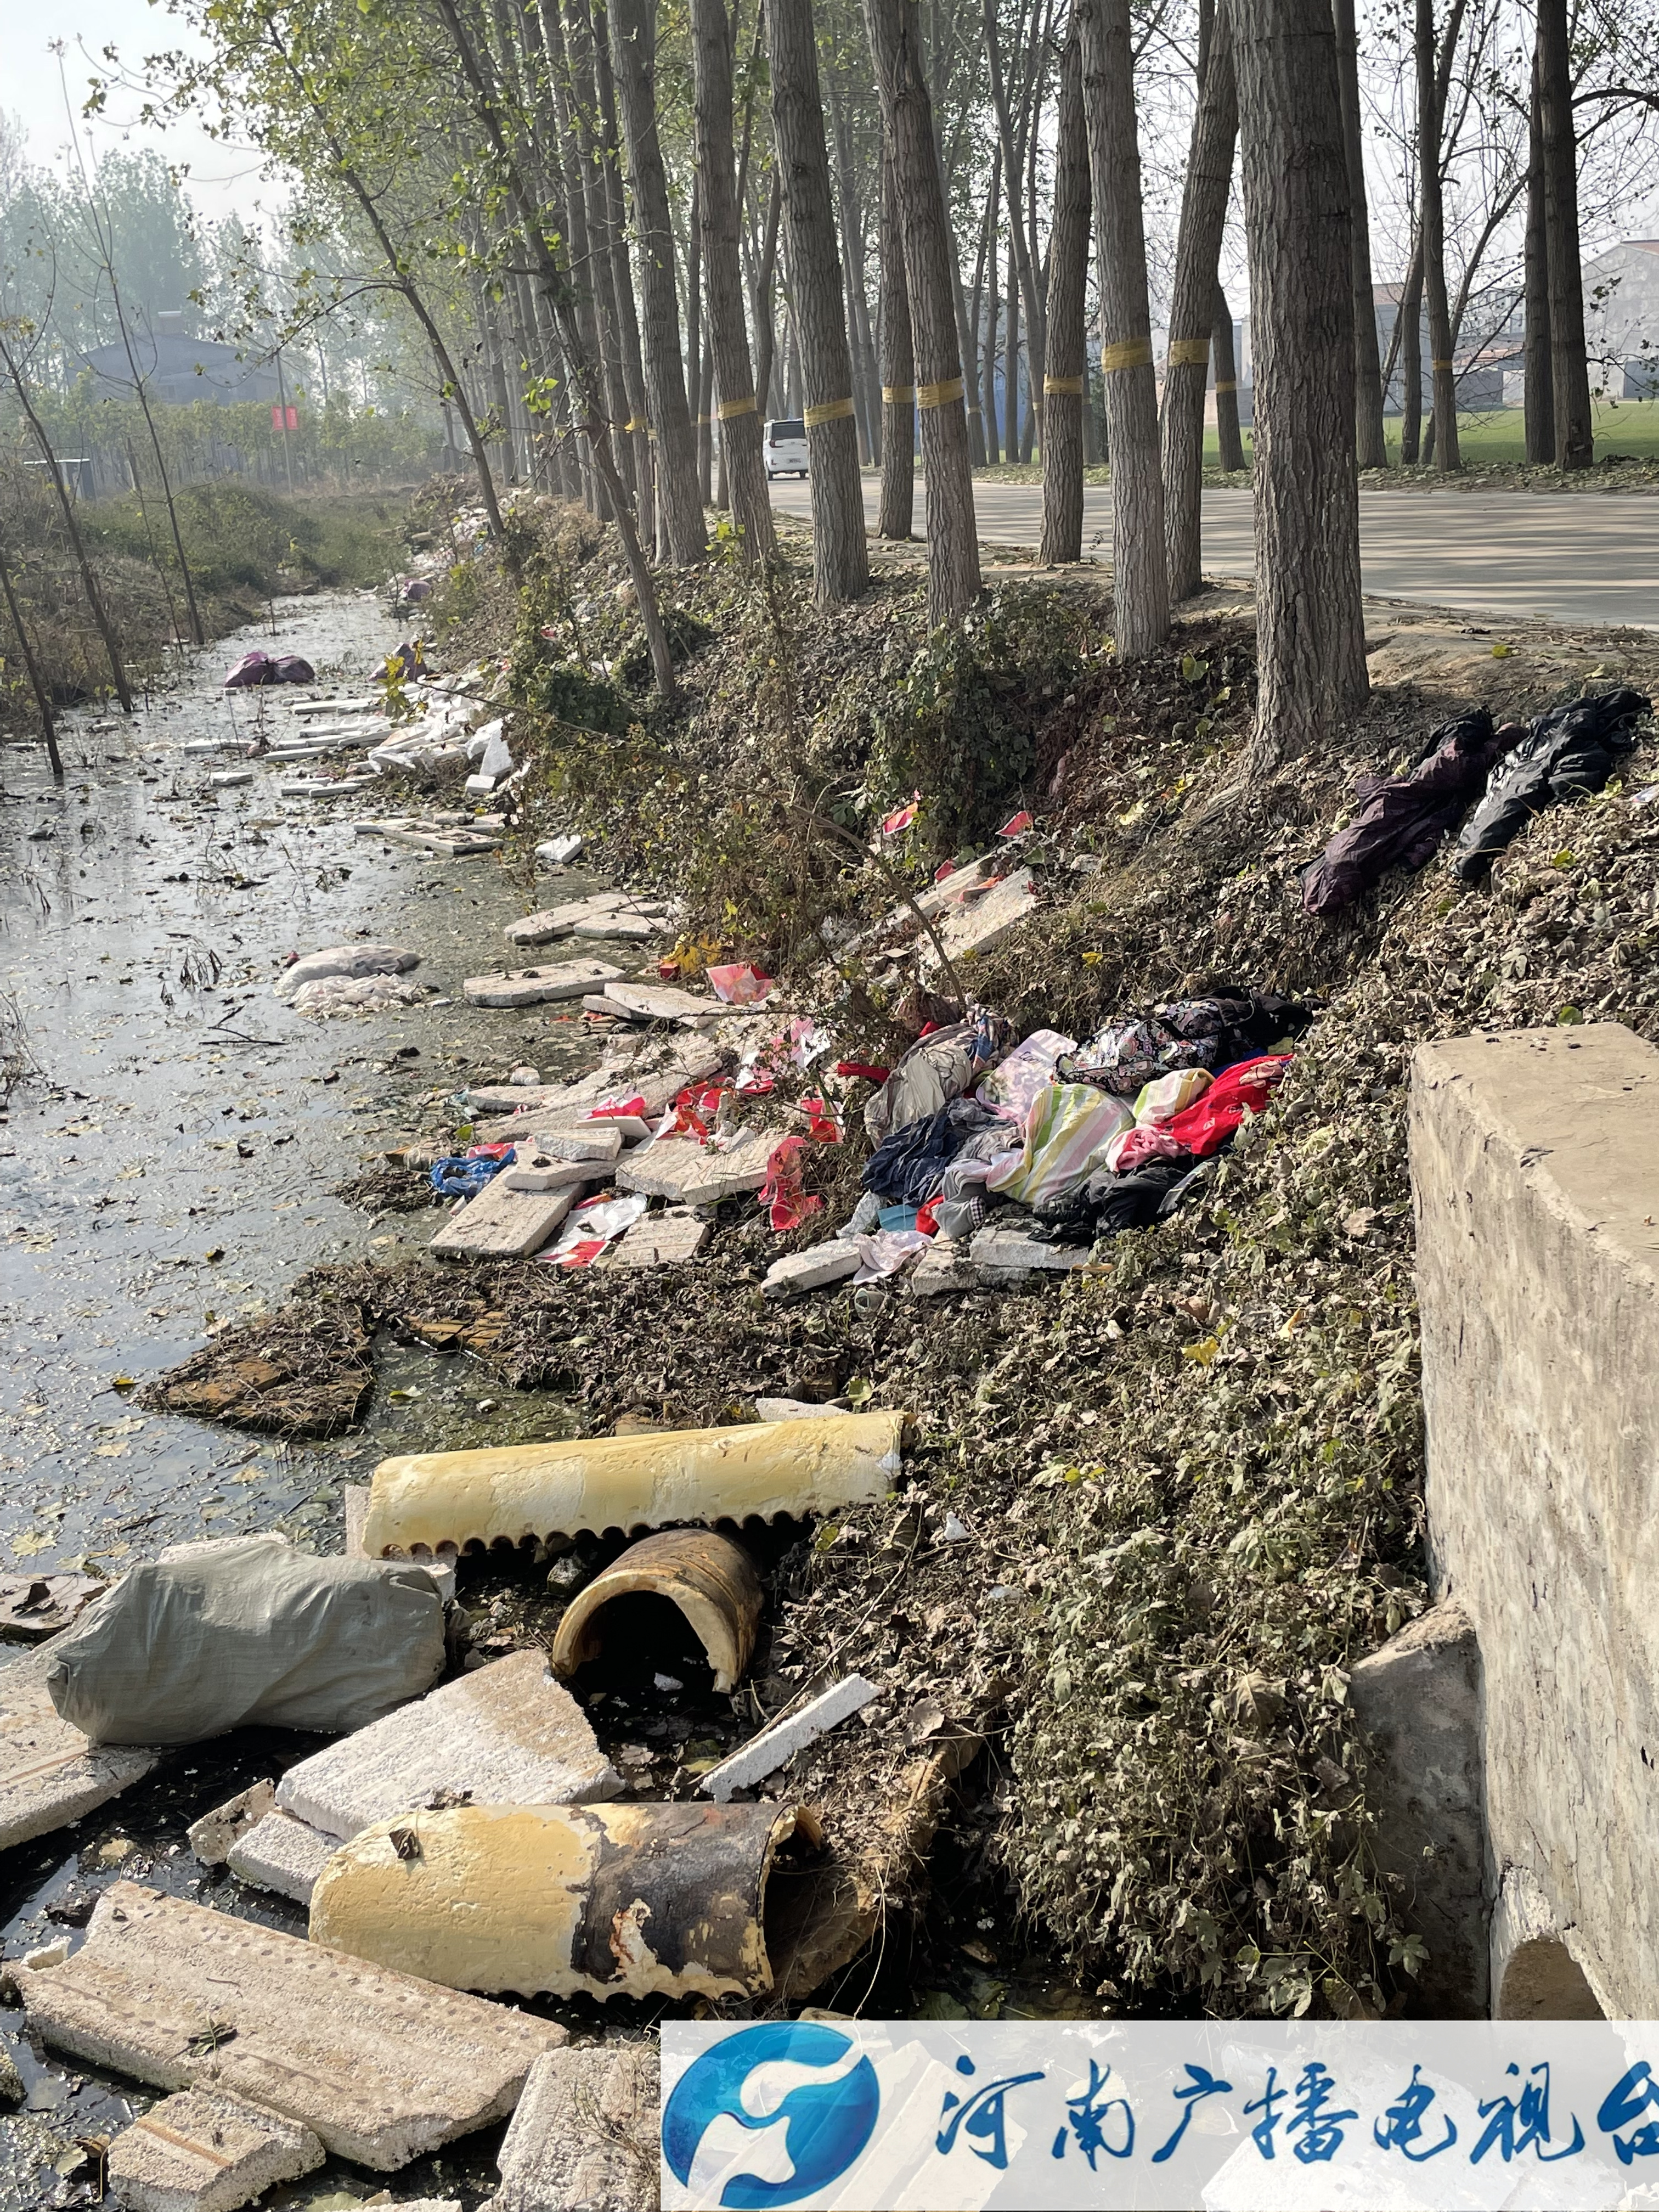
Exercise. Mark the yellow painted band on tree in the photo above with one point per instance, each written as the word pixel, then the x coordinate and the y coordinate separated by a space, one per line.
pixel 634 423
pixel 1226 385
pixel 897 395
pixel 1067 388
pixel 1188 353
pixel 943 394
pixel 1133 353
pixel 827 410
pixel 1443 364
pixel 730 409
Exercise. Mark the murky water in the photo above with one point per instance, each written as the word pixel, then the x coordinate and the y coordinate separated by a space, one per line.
pixel 169 1168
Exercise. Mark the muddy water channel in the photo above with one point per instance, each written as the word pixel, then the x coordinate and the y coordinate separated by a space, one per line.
pixel 165 1165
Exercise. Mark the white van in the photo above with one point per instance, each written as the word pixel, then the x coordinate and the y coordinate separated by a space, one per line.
pixel 784 447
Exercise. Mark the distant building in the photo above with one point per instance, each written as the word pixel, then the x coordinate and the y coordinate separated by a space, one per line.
pixel 1621 320
pixel 179 370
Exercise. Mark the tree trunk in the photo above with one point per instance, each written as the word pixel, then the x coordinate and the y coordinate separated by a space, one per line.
pixel 953 572
pixel 1064 398
pixel 1575 437
pixel 740 426
pixel 633 39
pixel 1371 443
pixel 1410 321
pixel 1140 586
pixel 1433 227
pixel 1022 276
pixel 31 669
pixel 1230 444
pixel 866 380
pixel 897 515
pixel 1011 353
pixel 1540 381
pixel 841 553
pixel 1192 308
pixel 765 285
pixel 639 400
pixel 1310 639
pixel 583 104
pixel 992 319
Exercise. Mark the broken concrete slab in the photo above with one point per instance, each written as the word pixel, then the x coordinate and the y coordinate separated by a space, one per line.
pixel 944 1266
pixel 999 1254
pixel 654 1068
pixel 778 1743
pixel 657 1002
pixel 501 1223
pixel 661 1240
pixel 201 2151
pixel 534 1170
pixel 211 1836
pixel 507 1735
pixel 50 1774
pixel 979 926
pixel 282 1854
pixel 820 1264
pixel 556 922
pixel 596 1143
pixel 380 2066
pixel 34 1607
pixel 797 1409
pixel 535 987
pixel 688 1173
pixel 584 2132
pixel 620 928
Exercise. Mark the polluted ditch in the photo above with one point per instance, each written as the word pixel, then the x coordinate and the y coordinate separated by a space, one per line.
pixel 869 1361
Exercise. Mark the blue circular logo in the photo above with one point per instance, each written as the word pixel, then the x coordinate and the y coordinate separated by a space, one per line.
pixel 826 2123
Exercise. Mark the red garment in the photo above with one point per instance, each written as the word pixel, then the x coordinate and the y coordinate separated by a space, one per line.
pixel 783 1191
pixel 863 1067
pixel 1209 1121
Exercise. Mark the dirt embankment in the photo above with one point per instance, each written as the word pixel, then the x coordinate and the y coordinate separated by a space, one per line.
pixel 1188 1480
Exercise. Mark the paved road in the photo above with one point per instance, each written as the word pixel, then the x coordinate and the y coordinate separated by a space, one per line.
pixel 1569 556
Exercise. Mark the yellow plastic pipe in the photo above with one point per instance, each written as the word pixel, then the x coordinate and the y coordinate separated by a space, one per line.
pixel 608 1900
pixel 428 1501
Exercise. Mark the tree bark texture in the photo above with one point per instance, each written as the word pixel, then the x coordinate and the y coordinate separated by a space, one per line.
pixel 1229 444
pixel 1409 321
pixel 583 102
pixel 1432 228
pixel 1064 372
pixel 1310 640
pixel 1371 442
pixel 953 571
pixel 1140 586
pixel 840 552
pixel 1021 273
pixel 639 400
pixel 1192 308
pixel 740 423
pixel 1540 394
pixel 896 517
pixel 1575 439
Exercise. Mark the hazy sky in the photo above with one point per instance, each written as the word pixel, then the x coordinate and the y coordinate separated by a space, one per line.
pixel 222 177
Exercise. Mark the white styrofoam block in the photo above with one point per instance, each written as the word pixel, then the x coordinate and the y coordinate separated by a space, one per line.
pixel 774 1746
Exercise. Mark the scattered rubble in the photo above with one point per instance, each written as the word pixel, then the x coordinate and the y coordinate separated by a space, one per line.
pixel 379 2065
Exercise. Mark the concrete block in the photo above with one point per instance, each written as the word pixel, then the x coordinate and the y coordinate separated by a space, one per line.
pixel 797 1409
pixel 211 1836
pixel 775 1747
pixel 535 987
pixel 688 1173
pixel 380 2066
pixel 282 1854
pixel 998 1253
pixel 657 1002
pixel 557 921
pixel 1534 1972
pixel 1535 1181
pixel 501 1223
pixel 811 1270
pixel 980 926
pixel 661 1240
pixel 585 2133
pixel 508 1735
pixel 594 1146
pixel 534 1170
pixel 621 928
pixel 50 1774
pixel 944 1266
pixel 201 2151
pixel 1418 1702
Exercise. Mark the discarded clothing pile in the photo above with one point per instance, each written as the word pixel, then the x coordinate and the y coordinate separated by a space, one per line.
pixel 1404 816
pixel 1568 753
pixel 1125 1056
pixel 938 1066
